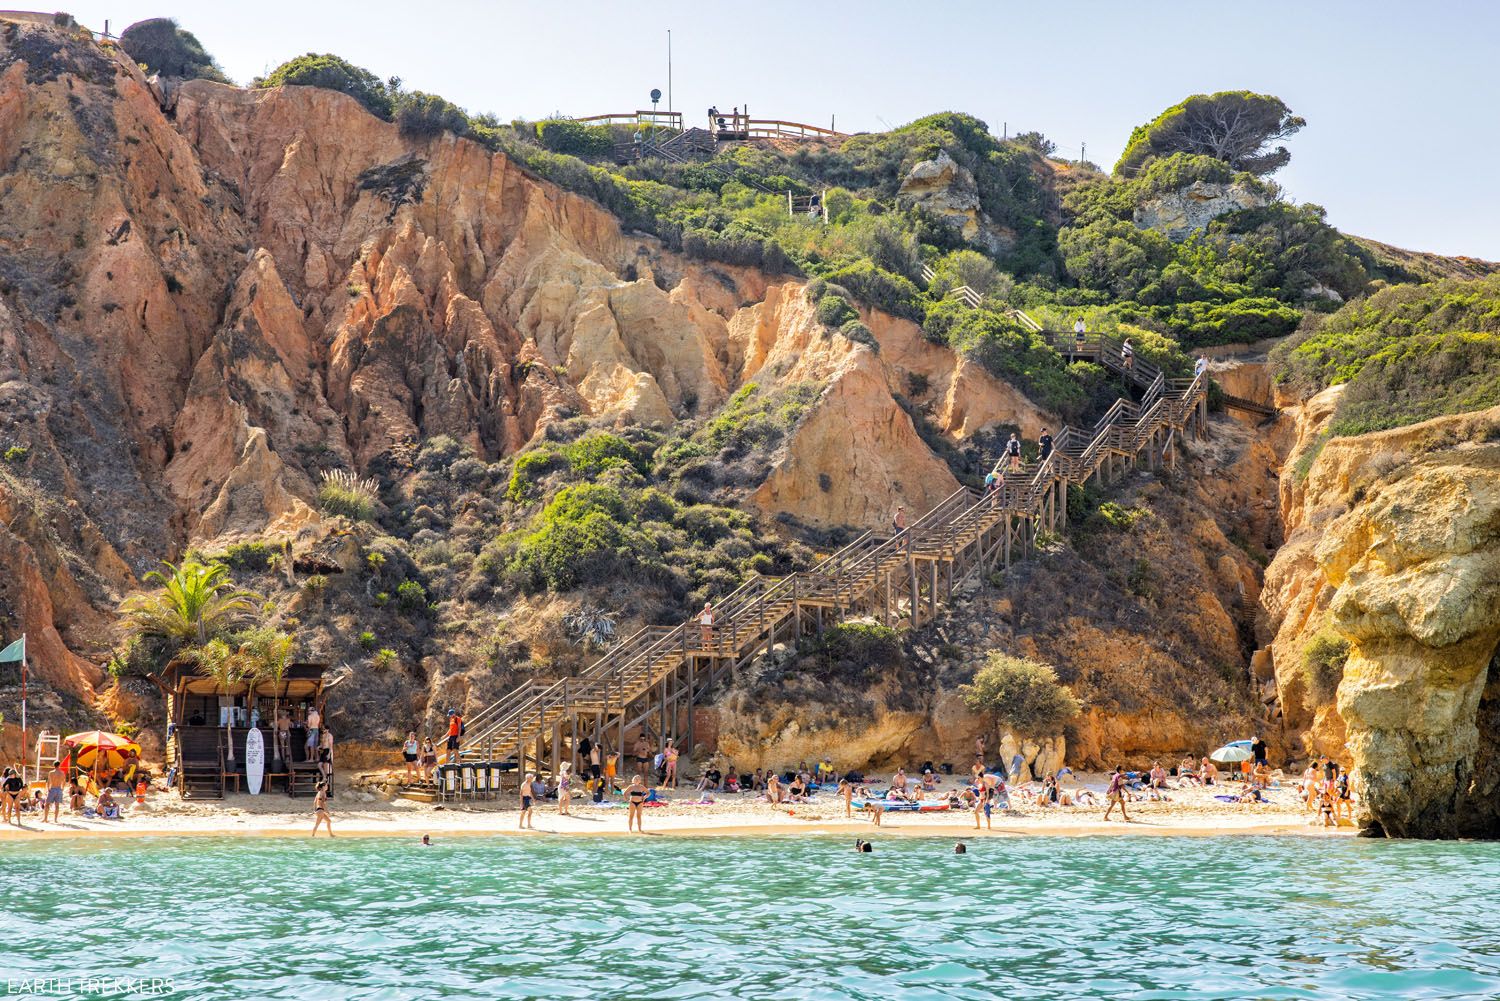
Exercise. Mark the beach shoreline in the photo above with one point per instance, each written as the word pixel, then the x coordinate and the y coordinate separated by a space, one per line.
pixel 276 816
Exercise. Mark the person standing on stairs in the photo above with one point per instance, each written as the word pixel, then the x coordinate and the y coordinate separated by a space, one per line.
pixel 706 624
pixel 1200 366
pixel 898 522
pixel 1078 331
pixel 1044 444
pixel 1127 355
pixel 1013 452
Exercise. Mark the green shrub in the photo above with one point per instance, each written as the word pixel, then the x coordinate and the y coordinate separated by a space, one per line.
pixel 1022 693
pixel 384 658
pixel 367 640
pixel 422 115
pixel 161 46
pixel 877 287
pixel 332 73
pixel 253 556
pixel 1323 661
pixel 563 135
pixel 834 311
pixel 860 646
pixel 1117 517
pixel 344 493
pixel 530 467
pixel 594 453
pixel 17 453
pixel 411 596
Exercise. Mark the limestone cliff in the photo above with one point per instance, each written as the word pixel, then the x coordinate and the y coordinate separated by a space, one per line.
pixel 1394 546
pixel 1179 214
pixel 202 310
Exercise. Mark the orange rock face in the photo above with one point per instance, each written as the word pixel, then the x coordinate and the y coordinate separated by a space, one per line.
pixel 201 310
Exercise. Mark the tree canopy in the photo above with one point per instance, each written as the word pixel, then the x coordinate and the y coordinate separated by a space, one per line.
pixel 162 46
pixel 1235 126
pixel 1022 693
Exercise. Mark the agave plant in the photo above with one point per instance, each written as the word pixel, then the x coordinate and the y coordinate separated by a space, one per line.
pixel 197 602
pixel 594 627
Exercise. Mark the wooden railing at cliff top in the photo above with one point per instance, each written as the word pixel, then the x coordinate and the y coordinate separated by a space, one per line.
pixel 652 676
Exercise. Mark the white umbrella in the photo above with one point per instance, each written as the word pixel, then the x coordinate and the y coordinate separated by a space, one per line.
pixel 1230 753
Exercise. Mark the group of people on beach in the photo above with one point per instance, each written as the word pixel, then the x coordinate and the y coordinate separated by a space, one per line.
pixel 109 788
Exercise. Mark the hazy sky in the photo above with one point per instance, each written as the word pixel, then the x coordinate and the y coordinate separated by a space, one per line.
pixel 1402 100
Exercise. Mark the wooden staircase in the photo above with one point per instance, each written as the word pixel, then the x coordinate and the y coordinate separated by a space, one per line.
pixel 901 578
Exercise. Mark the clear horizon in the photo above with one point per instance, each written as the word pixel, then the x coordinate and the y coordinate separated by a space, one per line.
pixel 1375 84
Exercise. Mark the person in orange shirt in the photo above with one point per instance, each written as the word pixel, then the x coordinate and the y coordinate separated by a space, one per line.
pixel 455 731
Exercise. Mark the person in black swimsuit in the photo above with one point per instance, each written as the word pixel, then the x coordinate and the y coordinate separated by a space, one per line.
pixel 635 796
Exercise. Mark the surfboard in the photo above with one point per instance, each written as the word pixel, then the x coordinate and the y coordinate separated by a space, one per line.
pixel 255 761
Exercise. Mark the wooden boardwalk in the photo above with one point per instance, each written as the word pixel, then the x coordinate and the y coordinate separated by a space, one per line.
pixel 903 578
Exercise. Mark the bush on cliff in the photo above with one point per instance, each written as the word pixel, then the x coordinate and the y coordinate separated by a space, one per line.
pixel 162 46
pixel 333 73
pixel 1407 353
pixel 1021 693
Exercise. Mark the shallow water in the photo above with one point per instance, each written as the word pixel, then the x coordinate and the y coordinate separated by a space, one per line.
pixel 761 918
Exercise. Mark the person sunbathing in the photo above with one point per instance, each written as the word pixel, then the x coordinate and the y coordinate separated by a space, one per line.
pixel 106 806
pixel 1208 772
pixel 1187 771
pixel 1158 776
pixel 894 795
pixel 929 780
pixel 774 792
pixel 798 791
pixel 898 781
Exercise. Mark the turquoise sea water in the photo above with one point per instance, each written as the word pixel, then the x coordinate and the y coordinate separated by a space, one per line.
pixel 756 918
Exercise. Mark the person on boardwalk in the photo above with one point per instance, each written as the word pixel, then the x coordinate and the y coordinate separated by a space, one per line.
pixel 314 721
pixel 1079 329
pixel 1127 355
pixel 429 759
pixel 320 809
pixel 1200 366
pixel 1116 794
pixel 526 800
pixel 55 779
pixel 564 789
pixel 898 521
pixel 706 624
pixel 1044 445
pixel 1013 453
pixel 635 798
pixel 410 753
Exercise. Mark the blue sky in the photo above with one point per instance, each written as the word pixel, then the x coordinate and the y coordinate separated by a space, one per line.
pixel 1401 100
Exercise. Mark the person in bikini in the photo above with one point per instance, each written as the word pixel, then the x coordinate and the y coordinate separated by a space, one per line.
pixel 320 809
pixel 635 798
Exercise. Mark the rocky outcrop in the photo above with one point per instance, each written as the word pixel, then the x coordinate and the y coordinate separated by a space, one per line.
pixel 1179 214
pixel 948 190
pixel 1394 546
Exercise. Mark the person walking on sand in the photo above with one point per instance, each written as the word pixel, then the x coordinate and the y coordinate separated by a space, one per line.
pixel 411 751
pixel 526 800
pixel 635 799
pixel 1013 453
pixel 320 809
pixel 846 793
pixel 10 795
pixel 1116 794
pixel 55 779
pixel 564 790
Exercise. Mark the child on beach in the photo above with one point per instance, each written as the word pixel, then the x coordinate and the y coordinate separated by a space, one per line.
pixel 1116 794
pixel 846 793
pixel 564 790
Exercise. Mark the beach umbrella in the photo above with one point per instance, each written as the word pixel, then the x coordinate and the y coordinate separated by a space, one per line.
pixel 1230 754
pixel 96 747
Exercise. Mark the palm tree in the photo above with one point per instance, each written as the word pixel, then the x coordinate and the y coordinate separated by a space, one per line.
pixel 269 653
pixel 228 668
pixel 197 602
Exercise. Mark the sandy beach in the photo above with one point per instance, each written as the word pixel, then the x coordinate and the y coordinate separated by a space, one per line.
pixel 1189 812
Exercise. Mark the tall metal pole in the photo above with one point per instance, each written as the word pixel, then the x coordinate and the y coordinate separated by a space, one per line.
pixel 670 108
